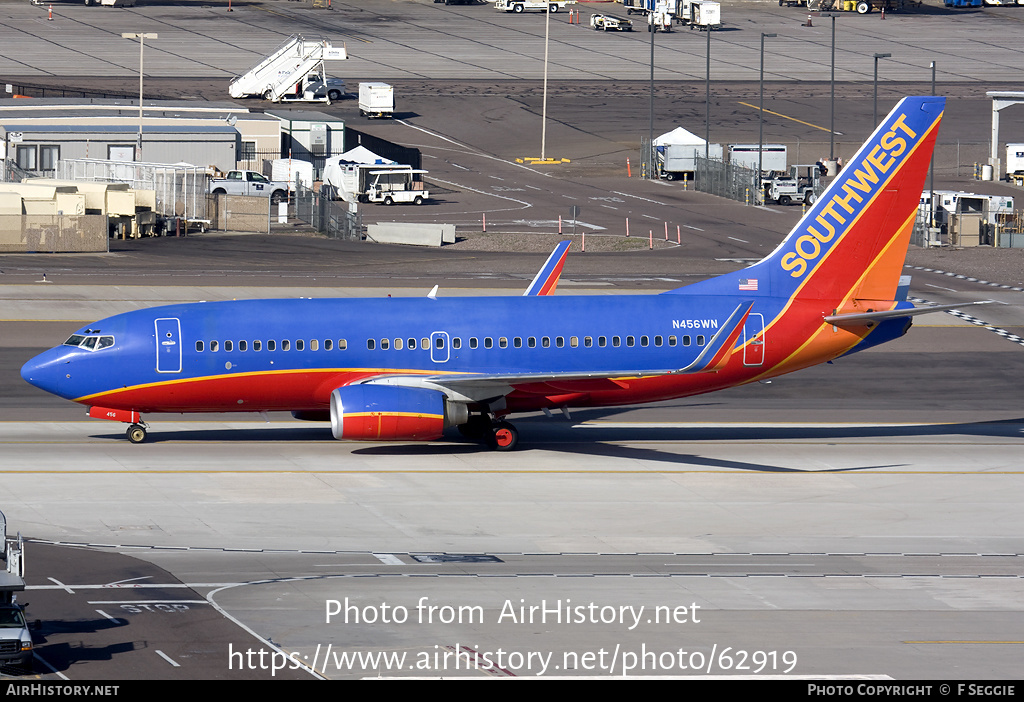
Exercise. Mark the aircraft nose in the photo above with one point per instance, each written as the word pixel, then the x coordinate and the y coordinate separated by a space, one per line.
pixel 46 370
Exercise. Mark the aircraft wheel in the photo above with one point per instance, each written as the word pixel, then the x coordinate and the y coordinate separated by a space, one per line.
pixel 504 437
pixel 136 433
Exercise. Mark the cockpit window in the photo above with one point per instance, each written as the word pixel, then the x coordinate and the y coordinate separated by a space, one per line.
pixel 92 343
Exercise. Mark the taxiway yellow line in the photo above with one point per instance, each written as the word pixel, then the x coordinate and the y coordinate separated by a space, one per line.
pixel 794 119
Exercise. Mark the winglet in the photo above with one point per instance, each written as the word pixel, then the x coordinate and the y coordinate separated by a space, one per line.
pixel 546 280
pixel 716 354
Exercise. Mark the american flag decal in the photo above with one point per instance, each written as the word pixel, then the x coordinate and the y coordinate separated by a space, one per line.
pixel 748 283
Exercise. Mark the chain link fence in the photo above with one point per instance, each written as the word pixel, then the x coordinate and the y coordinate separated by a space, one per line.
pixel 332 218
pixel 724 179
pixel 180 190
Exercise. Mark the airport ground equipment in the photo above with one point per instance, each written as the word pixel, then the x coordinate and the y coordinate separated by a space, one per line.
pixel 285 68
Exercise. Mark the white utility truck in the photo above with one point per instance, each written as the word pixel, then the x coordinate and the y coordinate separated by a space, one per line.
pixel 532 5
pixel 396 185
pixel 376 100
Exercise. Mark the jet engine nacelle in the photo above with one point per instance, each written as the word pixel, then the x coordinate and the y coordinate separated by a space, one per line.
pixel 392 413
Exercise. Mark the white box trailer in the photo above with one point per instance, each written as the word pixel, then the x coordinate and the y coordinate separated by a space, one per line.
pixel 1014 159
pixel 773 157
pixel 376 100
pixel 680 159
pixel 703 14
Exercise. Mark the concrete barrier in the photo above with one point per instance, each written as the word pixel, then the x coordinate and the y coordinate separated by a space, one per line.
pixel 412 233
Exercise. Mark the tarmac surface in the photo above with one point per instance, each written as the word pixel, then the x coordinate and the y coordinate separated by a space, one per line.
pixel 854 519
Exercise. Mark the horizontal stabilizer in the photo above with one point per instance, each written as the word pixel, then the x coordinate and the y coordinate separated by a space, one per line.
pixel 716 354
pixel 862 318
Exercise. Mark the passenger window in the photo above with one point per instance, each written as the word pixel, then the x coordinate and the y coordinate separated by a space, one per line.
pixel 199 346
pixel 532 342
pixel 657 341
pixel 369 345
pixel 214 346
pixel 257 345
pixel 398 344
pixel 686 340
pixel 574 341
pixel 545 341
pixel 588 341
pixel 412 344
pixel 300 344
pixel 314 344
pixel 700 340
pixel 630 341
pixel 503 342
pixel 644 341
pixel 271 345
pixel 342 344
pixel 439 342
pixel 242 346
pixel 328 344
pixel 472 342
pixel 285 344
pixel 672 340
pixel 559 341
pixel 383 344
pixel 228 346
pixel 616 341
pixel 457 343
pixel 488 342
pixel 518 342
pixel 602 341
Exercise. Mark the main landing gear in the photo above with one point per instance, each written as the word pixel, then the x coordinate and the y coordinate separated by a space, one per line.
pixel 497 433
pixel 136 433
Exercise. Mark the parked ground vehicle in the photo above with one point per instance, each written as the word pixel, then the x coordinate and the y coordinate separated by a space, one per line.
pixel 15 638
pixel 532 5
pixel 700 14
pixel 392 186
pixel 611 23
pixel 316 88
pixel 861 7
pixel 249 183
pixel 772 159
pixel 376 100
pixel 287 68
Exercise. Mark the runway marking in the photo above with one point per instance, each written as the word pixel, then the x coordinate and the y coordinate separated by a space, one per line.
pixel 113 619
pixel 62 586
pixel 388 558
pixel 794 119
pixel 167 658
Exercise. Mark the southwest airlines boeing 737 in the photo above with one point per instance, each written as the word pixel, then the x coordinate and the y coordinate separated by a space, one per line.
pixel 405 369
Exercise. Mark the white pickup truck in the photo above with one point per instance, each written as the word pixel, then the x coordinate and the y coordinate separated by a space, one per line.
pixel 249 183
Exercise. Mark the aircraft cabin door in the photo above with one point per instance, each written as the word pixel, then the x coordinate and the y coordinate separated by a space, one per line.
pixel 168 345
pixel 753 340
pixel 439 347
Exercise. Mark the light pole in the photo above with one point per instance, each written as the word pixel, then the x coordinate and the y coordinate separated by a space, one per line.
pixel 874 114
pixel 760 120
pixel 707 97
pixel 544 107
pixel 142 37
pixel 832 98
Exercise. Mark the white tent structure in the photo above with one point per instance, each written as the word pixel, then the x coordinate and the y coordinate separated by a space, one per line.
pixel 678 136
